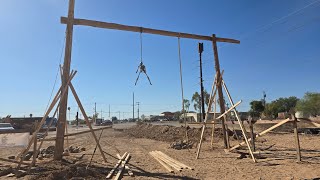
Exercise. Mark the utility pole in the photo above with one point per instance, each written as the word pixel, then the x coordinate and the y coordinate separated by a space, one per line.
pixel 133 107
pixel 101 114
pixel 119 115
pixel 264 99
pixel 203 115
pixel 77 119
pixel 109 111
pixel 95 113
pixel 138 103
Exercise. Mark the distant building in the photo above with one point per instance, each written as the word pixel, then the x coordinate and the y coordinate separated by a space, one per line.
pixel 27 122
pixel 168 115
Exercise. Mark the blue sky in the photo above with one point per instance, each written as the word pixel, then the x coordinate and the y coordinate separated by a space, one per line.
pixel 279 52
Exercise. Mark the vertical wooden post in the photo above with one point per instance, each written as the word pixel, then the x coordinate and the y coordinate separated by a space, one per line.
pixel 228 142
pixel 296 136
pixel 35 152
pixel 66 71
pixel 252 135
pixel 219 87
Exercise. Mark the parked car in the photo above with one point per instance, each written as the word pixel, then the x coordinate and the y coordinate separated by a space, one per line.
pixel 6 126
pixel 106 123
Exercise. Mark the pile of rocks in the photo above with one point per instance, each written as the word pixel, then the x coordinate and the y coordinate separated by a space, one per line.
pixel 46 153
pixel 178 145
pixel 73 149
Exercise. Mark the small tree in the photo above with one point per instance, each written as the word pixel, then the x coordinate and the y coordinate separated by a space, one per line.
pixel 257 107
pixel 309 104
pixel 196 99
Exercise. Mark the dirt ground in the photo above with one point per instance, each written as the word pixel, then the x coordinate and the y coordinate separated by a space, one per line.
pixel 277 162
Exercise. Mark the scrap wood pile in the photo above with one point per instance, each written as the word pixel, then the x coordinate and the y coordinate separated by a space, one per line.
pixel 121 165
pixel 170 133
pixel 168 163
pixel 68 168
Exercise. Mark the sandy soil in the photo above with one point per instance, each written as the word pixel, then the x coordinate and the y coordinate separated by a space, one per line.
pixel 278 162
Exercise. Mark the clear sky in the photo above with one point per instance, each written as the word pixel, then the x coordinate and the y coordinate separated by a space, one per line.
pixel 279 52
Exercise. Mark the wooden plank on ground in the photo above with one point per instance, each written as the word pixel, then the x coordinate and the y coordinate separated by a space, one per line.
pixel 260 134
pixel 162 163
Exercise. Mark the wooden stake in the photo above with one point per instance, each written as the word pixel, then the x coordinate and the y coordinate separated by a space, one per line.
pixel 87 120
pixel 252 135
pixel 244 133
pixel 296 136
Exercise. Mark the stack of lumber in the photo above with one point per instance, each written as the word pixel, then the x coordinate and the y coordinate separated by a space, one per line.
pixel 120 166
pixel 167 162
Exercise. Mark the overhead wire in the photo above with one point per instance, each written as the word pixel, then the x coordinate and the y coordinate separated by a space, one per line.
pixel 57 74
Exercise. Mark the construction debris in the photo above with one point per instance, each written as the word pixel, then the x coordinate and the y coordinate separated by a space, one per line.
pixel 168 162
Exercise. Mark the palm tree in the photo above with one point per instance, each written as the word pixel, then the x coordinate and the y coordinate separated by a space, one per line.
pixel 186 104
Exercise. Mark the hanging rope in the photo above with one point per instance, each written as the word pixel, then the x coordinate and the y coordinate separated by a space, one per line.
pixel 141 67
pixel 141 45
pixel 182 94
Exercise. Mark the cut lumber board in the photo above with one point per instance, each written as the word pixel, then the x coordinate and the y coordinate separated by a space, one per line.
pixel 126 167
pixel 176 167
pixel 116 166
pixel 178 162
pixel 162 163
pixel 120 169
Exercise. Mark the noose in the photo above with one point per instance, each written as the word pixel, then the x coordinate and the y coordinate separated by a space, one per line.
pixel 141 67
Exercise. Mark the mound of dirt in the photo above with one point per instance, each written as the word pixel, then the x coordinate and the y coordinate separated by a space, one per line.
pixel 170 133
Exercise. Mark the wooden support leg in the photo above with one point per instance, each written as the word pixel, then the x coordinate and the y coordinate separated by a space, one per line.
pixel 53 103
pixel 212 95
pixel 47 130
pixel 87 120
pixel 35 152
pixel 214 117
pixel 240 122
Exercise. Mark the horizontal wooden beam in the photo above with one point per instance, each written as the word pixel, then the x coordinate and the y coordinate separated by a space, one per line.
pixel 87 131
pixel 106 25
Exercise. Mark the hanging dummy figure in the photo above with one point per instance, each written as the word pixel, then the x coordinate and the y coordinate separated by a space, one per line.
pixel 141 67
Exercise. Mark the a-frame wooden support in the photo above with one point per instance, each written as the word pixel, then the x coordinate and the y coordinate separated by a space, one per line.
pixel 232 108
pixel 60 94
